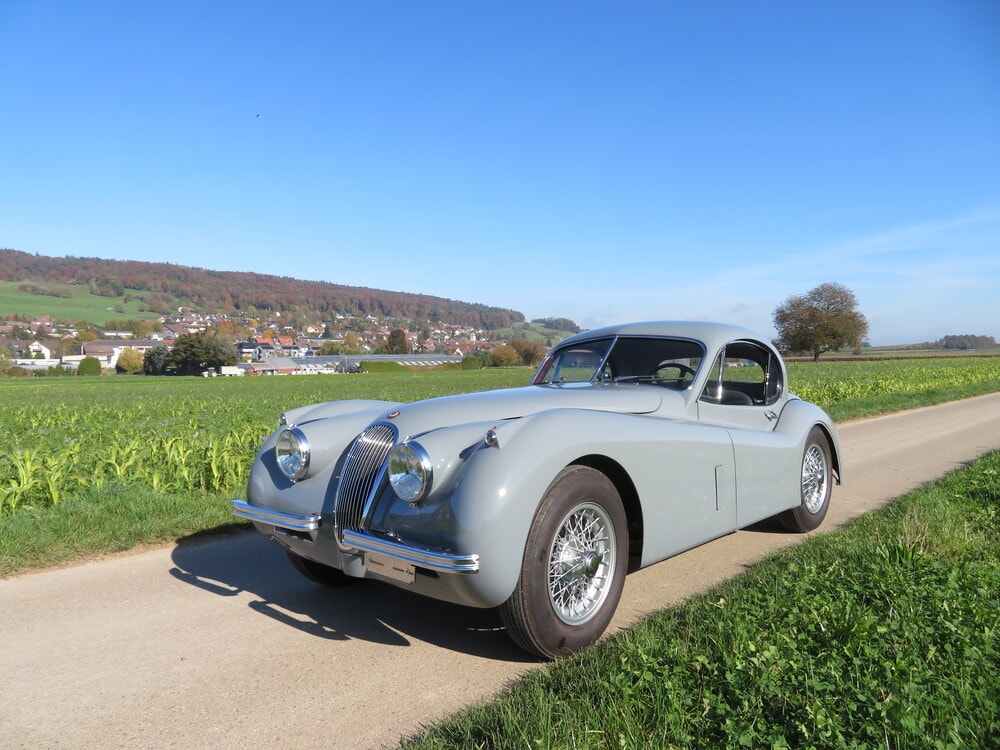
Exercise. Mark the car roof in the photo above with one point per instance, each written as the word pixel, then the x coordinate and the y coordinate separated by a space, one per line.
pixel 713 335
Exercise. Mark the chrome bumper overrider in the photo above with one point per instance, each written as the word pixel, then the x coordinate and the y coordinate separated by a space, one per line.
pixel 282 520
pixel 441 562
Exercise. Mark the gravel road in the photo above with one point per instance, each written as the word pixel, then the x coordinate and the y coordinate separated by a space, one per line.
pixel 221 644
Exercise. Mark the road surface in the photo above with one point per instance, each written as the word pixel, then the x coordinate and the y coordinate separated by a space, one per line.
pixel 221 644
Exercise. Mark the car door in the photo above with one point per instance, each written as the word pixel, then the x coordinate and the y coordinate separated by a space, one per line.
pixel 745 393
pixel 744 386
pixel 684 475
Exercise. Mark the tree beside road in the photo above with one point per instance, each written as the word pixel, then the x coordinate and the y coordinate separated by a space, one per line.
pixel 822 319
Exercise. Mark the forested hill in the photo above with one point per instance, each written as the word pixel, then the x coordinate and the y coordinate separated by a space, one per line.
pixel 162 286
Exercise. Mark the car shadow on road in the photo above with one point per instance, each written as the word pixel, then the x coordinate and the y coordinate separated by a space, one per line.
pixel 768 526
pixel 367 610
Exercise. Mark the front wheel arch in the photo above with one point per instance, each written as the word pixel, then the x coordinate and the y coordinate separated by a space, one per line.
pixel 834 455
pixel 629 496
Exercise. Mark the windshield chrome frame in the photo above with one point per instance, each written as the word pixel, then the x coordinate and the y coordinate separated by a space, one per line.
pixel 607 354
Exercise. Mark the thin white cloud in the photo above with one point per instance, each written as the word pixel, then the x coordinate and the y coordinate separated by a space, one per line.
pixel 914 283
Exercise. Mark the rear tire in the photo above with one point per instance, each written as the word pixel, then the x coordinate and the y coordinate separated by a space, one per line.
pixel 318 572
pixel 815 485
pixel 574 565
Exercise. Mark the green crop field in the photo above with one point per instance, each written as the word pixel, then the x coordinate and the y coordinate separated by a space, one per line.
pixel 863 388
pixel 62 435
pixel 91 464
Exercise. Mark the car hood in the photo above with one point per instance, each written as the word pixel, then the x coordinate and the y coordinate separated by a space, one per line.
pixel 513 403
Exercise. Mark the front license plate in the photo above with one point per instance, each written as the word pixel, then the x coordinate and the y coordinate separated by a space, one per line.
pixel 388 567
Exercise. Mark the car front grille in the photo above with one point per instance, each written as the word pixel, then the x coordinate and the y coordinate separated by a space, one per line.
pixel 362 471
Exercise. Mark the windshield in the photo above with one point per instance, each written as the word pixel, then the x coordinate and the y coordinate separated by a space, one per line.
pixel 662 361
pixel 574 364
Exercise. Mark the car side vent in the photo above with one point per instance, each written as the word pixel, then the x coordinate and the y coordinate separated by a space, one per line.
pixel 362 472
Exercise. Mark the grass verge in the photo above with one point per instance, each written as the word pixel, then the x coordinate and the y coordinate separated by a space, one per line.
pixel 114 518
pixel 884 634
pixel 874 406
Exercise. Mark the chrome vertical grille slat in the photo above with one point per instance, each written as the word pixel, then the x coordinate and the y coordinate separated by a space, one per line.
pixel 362 471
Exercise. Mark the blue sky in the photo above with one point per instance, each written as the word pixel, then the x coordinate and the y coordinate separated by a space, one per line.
pixel 604 162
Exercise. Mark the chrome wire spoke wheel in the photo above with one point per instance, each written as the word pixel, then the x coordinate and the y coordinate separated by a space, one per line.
pixel 581 563
pixel 815 484
pixel 815 477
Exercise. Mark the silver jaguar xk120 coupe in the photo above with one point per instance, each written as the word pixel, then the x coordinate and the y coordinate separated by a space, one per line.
pixel 631 444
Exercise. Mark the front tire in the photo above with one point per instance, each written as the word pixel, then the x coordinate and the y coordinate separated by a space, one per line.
pixel 816 485
pixel 574 565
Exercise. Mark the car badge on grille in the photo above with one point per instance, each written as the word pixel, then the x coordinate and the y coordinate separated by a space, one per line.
pixel 393 414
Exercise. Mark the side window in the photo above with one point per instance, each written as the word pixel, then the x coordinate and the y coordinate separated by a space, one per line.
pixel 773 386
pixel 744 374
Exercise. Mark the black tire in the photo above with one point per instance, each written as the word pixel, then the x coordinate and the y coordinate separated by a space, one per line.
pixel 573 569
pixel 815 486
pixel 318 572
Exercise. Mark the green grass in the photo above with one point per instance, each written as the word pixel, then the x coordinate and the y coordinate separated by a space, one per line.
pixel 116 517
pixel 82 305
pixel 885 634
pixel 535 332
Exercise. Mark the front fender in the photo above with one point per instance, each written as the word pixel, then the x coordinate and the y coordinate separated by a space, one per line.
pixel 799 417
pixel 493 492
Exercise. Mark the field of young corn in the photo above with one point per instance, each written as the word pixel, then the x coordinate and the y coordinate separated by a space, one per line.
pixel 830 383
pixel 62 435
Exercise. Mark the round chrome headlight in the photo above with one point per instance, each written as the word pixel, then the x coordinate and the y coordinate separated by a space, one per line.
pixel 291 451
pixel 409 471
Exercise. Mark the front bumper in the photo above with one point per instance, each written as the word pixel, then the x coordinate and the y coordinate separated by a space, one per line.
pixel 276 518
pixel 409 554
pixel 441 562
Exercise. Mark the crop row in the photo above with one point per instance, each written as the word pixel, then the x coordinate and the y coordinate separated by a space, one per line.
pixel 829 383
pixel 49 459
pixel 60 436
